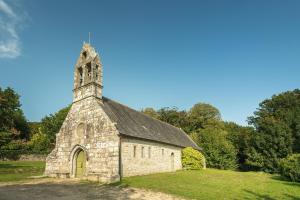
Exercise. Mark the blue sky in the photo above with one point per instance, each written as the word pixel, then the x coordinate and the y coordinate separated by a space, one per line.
pixel 231 54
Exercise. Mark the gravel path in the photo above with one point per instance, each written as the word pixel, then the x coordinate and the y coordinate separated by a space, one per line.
pixel 50 189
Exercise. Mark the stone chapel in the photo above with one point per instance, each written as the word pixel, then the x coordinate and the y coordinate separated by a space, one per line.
pixel 104 140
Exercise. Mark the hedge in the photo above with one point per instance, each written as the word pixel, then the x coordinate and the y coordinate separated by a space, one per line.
pixel 290 167
pixel 192 159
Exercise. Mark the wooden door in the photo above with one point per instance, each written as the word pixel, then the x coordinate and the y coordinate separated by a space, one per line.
pixel 80 164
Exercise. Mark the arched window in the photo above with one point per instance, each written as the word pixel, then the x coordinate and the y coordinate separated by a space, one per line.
pixel 96 72
pixel 89 70
pixel 84 54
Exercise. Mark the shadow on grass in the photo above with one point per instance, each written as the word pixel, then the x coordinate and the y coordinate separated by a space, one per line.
pixel 10 166
pixel 285 180
pixel 268 197
pixel 292 184
pixel 259 196
pixel 292 197
pixel 280 178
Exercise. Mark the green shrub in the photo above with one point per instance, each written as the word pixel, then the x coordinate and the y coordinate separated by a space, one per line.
pixel 218 151
pixel 13 149
pixel 39 142
pixel 192 159
pixel 290 167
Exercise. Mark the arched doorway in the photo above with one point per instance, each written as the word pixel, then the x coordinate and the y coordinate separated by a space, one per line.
pixel 80 162
pixel 172 161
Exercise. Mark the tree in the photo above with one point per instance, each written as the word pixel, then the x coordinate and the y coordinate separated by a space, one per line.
pixel 34 127
pixel 174 117
pixel 12 118
pixel 150 112
pixel 39 143
pixel 290 167
pixel 218 151
pixel 5 138
pixel 202 116
pixel 271 143
pixel 277 122
pixel 51 124
pixel 240 137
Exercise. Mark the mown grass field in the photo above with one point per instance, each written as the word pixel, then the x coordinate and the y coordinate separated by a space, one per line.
pixel 218 184
pixel 20 170
pixel 205 184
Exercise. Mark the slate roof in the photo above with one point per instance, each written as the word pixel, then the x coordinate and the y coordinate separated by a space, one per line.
pixel 132 123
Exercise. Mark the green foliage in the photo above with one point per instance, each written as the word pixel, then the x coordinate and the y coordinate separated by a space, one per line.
pixel 290 167
pixel 13 149
pixel 15 145
pixel 192 159
pixel 277 123
pixel 273 142
pixel 5 138
pixel 218 151
pixel 51 124
pixel 12 118
pixel 39 143
pixel 202 116
pixel 240 137
pixel 34 127
pixel 150 112
pixel 173 116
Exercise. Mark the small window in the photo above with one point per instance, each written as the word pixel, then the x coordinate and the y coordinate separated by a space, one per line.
pixel 143 152
pixel 149 152
pixel 134 151
pixel 162 152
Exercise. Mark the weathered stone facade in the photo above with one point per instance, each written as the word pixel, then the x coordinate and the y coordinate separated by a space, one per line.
pixel 89 129
pixel 103 140
pixel 145 157
pixel 86 128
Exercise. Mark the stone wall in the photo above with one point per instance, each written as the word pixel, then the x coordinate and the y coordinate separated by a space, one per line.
pixel 87 128
pixel 33 157
pixel 140 157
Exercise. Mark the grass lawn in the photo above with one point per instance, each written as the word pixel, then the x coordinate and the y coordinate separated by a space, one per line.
pixel 218 184
pixel 20 170
pixel 204 184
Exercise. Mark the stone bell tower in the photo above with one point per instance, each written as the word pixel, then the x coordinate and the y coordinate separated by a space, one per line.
pixel 87 74
pixel 87 144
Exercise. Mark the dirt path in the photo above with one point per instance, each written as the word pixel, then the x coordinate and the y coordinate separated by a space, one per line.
pixel 57 189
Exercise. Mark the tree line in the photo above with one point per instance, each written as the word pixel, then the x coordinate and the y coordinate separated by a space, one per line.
pixel 272 135
pixel 18 135
pixel 273 132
